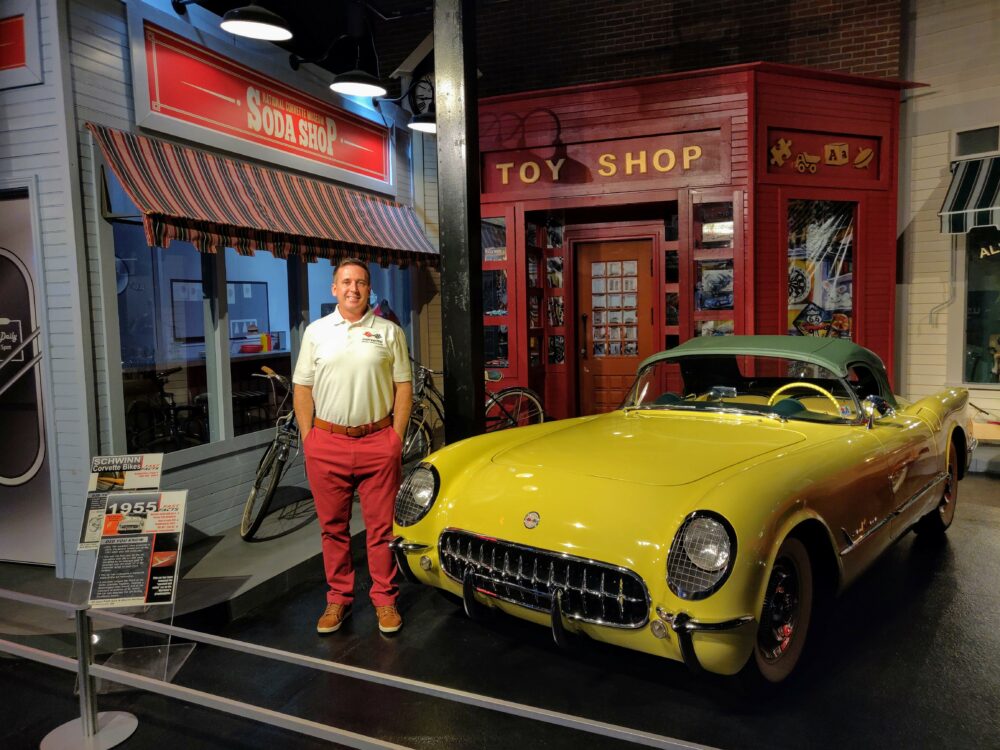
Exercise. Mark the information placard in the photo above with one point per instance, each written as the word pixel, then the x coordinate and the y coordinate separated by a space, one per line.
pixel 139 549
pixel 110 475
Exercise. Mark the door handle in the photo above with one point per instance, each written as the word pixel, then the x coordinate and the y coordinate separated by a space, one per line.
pixel 583 349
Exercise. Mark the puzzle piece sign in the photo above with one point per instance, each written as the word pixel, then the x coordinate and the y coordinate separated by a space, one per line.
pixel 823 155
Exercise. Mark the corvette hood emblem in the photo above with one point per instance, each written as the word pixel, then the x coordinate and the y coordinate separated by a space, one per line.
pixel 531 520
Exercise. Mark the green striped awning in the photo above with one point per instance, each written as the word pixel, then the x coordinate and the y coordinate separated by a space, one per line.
pixel 214 202
pixel 973 198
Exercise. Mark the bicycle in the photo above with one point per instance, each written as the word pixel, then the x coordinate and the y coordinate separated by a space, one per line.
pixel 515 406
pixel 158 424
pixel 260 510
pixel 426 425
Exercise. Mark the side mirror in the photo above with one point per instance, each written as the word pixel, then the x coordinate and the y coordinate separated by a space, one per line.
pixel 876 407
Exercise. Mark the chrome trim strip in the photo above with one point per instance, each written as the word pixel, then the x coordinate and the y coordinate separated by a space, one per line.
pixel 937 479
pixel 555 586
pixel 918 495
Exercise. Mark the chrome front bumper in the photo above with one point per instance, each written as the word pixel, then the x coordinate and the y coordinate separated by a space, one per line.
pixel 684 626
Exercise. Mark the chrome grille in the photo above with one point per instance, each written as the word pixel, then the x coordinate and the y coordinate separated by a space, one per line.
pixel 592 592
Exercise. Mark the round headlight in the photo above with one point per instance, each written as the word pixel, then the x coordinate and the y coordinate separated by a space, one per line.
pixel 417 495
pixel 706 544
pixel 701 556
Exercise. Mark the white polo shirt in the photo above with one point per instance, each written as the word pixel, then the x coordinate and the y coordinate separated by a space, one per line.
pixel 352 366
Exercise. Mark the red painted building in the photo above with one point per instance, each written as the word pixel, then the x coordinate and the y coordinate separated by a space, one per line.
pixel 623 218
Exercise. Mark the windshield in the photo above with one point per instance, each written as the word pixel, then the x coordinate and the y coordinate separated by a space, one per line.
pixel 772 386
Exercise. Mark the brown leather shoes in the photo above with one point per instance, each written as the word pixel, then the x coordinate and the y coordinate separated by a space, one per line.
pixel 389 620
pixel 333 617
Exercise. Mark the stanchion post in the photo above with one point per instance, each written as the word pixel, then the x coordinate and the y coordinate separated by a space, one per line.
pixel 88 691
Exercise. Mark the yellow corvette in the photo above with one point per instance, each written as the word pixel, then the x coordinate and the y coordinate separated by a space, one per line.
pixel 743 480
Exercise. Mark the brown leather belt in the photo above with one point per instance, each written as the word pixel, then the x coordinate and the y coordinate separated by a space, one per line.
pixel 354 432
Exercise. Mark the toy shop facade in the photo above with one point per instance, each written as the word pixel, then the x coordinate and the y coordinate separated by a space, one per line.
pixel 622 219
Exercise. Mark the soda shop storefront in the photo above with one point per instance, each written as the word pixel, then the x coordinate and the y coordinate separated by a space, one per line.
pixel 621 219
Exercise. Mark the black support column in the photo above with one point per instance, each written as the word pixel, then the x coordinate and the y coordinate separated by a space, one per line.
pixel 455 95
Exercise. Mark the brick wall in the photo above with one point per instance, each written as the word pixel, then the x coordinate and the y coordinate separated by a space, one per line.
pixel 526 44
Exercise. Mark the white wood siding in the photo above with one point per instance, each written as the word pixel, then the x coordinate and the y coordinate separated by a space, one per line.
pixel 35 145
pixel 953 45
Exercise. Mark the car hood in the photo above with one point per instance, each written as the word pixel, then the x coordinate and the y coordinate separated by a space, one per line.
pixel 662 448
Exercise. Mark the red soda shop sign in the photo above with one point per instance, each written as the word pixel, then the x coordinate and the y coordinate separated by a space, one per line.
pixel 195 85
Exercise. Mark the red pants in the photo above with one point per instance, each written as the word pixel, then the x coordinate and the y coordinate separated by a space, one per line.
pixel 337 465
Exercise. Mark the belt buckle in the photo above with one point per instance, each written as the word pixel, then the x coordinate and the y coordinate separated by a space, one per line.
pixel 358 431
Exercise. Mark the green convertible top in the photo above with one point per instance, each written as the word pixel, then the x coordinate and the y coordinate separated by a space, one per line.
pixel 833 354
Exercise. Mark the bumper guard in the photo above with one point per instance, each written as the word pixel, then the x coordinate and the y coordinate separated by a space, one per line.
pixel 400 548
pixel 683 625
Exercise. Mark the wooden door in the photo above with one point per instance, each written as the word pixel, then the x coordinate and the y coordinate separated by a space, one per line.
pixel 614 281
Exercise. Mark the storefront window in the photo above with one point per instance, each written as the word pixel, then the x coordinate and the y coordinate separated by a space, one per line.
pixel 982 317
pixel 493 234
pixel 494 293
pixel 495 346
pixel 161 320
pixel 497 274
pixel 321 300
pixel 714 274
pixel 821 268
pixel 257 296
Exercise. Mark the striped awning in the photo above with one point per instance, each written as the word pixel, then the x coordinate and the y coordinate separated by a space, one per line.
pixel 973 198
pixel 214 203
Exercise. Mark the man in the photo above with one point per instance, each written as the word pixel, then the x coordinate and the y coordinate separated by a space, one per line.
pixel 352 402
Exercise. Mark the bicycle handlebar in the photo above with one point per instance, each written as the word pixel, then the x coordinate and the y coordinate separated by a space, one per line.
pixel 272 375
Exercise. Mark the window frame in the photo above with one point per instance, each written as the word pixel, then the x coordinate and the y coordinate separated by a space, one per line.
pixel 222 440
pixel 979 155
pixel 958 323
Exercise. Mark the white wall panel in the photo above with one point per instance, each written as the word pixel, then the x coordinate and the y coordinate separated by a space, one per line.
pixel 954 51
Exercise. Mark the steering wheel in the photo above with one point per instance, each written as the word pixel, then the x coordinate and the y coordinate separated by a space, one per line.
pixel 802 384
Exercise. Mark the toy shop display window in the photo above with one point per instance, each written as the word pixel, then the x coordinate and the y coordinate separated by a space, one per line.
pixel 713 272
pixel 982 306
pixel 496 273
pixel 821 268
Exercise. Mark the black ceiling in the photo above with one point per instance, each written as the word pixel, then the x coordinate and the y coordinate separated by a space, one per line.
pixel 397 27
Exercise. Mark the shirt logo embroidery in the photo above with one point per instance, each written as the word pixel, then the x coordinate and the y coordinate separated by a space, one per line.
pixel 372 338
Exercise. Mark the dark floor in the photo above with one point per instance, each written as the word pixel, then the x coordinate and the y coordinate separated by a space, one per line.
pixel 909 660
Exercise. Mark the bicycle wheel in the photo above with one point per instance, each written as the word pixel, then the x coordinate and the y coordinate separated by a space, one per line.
pixel 513 407
pixel 418 443
pixel 265 481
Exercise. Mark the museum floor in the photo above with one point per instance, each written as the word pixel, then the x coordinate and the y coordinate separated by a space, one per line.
pixel 909 660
